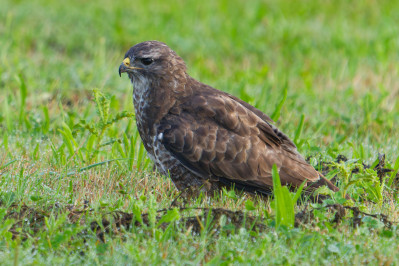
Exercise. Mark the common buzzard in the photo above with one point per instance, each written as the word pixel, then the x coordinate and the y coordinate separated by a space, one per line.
pixel 205 138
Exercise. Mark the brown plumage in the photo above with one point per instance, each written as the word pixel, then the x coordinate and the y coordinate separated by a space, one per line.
pixel 205 138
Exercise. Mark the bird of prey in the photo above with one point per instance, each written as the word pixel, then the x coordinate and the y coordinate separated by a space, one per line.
pixel 204 138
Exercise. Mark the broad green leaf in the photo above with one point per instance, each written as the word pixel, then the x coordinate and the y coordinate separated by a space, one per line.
pixel 249 205
pixel 170 216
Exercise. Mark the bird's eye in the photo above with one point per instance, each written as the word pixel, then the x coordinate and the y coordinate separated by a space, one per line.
pixel 147 61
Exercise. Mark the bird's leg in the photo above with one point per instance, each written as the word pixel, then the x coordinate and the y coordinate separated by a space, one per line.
pixel 186 195
pixel 175 202
pixel 207 188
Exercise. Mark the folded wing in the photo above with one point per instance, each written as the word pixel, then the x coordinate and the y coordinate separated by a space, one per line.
pixel 219 137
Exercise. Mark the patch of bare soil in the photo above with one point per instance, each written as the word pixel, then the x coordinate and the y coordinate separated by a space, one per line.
pixel 31 220
pixel 341 214
pixel 196 224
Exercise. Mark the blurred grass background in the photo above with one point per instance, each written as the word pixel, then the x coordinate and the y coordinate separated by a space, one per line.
pixel 338 61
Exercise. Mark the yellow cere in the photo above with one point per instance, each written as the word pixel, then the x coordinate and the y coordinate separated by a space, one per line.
pixel 126 61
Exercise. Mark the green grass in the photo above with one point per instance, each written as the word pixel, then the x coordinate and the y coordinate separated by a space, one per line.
pixel 63 145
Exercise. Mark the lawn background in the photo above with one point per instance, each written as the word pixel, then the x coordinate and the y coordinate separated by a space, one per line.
pixel 337 60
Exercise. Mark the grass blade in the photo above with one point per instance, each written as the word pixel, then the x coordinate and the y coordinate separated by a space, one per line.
pixel 298 131
pixel 7 164
pixel 284 205
pixel 276 114
pixel 394 173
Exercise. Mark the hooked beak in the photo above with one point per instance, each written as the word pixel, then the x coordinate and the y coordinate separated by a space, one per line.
pixel 125 66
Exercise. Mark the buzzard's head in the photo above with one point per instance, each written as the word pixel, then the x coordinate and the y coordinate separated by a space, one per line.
pixel 151 61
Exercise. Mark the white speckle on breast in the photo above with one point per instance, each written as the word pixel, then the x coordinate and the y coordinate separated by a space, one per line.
pixel 140 94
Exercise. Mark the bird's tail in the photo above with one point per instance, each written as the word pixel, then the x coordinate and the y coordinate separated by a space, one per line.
pixel 323 182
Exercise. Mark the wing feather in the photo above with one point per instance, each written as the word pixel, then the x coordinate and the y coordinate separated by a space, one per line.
pixel 220 138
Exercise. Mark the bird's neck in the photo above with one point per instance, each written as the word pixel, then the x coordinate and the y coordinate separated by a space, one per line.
pixel 153 99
